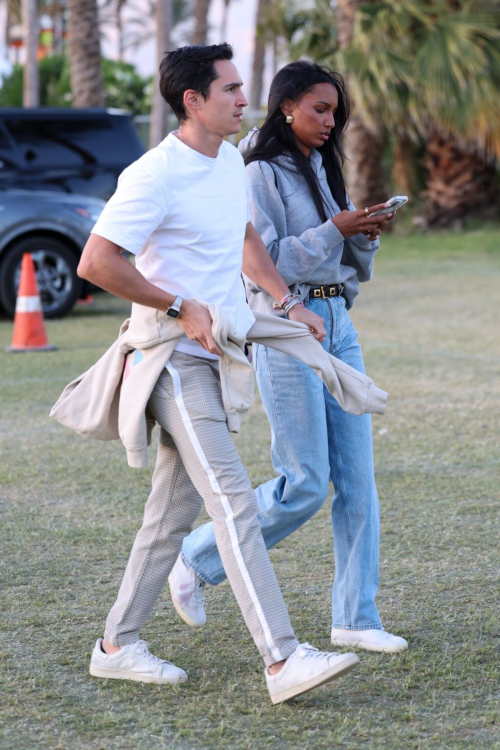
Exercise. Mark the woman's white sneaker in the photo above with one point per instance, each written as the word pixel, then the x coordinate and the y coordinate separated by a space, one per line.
pixel 370 640
pixel 134 662
pixel 188 594
pixel 306 669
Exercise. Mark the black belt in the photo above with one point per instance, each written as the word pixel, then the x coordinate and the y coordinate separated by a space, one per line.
pixel 325 291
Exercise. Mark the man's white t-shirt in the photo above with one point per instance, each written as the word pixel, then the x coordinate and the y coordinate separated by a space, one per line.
pixel 184 215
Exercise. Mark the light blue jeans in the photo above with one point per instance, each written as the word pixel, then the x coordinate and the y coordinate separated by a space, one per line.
pixel 314 441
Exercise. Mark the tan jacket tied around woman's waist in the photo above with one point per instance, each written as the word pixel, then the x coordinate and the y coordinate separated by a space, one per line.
pixel 109 401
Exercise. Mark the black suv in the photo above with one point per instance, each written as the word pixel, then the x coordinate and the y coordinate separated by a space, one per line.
pixel 69 150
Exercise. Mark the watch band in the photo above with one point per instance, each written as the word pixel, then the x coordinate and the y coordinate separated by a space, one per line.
pixel 175 308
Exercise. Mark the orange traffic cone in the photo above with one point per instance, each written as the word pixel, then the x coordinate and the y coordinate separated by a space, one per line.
pixel 87 301
pixel 29 329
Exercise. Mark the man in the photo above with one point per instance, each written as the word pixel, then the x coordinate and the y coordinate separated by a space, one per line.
pixel 182 209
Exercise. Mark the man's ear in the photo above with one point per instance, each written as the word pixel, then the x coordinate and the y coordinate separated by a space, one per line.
pixel 191 99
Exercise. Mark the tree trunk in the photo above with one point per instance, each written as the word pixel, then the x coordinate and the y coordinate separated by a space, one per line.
pixel 460 185
pixel 364 150
pixel 200 32
pixel 346 10
pixel 223 24
pixel 259 57
pixel 85 54
pixel 120 30
pixel 403 174
pixel 160 109
pixel 31 96
pixel 7 25
pixel 364 145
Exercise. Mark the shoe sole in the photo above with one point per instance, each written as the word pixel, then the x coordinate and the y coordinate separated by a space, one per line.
pixel 328 675
pixel 116 674
pixel 180 610
pixel 368 647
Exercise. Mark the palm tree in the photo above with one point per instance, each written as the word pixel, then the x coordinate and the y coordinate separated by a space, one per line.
pixel 364 142
pixel 85 54
pixel 223 23
pixel 259 56
pixel 429 70
pixel 200 12
pixel 437 75
pixel 326 34
pixel 30 78
pixel 160 109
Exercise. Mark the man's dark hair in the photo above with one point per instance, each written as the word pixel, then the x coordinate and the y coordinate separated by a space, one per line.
pixel 190 68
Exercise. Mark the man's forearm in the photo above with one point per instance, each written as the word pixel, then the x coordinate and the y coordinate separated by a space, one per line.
pixel 259 267
pixel 102 264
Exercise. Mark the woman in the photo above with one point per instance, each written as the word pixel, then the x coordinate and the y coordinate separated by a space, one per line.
pixel 322 248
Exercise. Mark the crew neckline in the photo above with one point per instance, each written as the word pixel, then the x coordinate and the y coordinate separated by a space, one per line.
pixel 191 152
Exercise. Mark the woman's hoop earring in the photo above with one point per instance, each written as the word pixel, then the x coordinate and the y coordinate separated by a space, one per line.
pixel 289 119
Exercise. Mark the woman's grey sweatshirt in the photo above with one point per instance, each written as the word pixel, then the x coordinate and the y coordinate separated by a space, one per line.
pixel 306 251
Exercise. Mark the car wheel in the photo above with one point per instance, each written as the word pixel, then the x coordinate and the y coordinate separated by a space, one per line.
pixel 55 267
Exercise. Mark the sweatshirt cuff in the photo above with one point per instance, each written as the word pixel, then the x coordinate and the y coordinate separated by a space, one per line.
pixel 137 458
pixel 330 235
pixel 233 417
pixel 376 401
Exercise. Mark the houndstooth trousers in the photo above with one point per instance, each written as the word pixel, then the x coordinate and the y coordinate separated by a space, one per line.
pixel 198 462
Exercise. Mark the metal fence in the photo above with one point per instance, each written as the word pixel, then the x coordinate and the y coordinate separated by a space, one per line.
pixel 142 124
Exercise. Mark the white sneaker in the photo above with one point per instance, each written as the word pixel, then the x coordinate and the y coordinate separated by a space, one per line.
pixel 133 662
pixel 370 640
pixel 306 669
pixel 188 594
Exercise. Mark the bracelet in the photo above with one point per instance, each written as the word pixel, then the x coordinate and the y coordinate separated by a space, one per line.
pixel 292 303
pixel 284 301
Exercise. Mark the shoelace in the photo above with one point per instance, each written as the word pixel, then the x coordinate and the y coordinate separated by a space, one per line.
pixel 141 648
pixel 306 651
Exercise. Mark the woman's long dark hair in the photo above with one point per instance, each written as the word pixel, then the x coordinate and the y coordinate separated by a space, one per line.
pixel 275 137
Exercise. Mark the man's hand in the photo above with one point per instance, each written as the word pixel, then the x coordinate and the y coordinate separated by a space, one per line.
pixel 301 315
pixel 196 322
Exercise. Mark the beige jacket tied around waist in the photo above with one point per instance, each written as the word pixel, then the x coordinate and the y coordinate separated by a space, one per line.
pixel 109 401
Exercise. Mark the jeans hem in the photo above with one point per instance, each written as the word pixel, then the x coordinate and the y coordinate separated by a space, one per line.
pixel 372 626
pixel 197 570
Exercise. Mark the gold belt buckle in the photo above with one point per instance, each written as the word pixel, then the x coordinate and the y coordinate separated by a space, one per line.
pixel 323 292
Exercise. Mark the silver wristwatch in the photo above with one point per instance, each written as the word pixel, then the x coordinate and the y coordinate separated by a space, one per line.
pixel 175 308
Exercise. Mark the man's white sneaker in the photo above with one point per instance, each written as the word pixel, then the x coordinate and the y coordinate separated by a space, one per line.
pixel 188 594
pixel 134 662
pixel 306 669
pixel 370 640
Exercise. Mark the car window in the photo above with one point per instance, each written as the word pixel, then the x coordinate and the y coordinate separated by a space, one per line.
pixel 7 155
pixel 40 144
pixel 74 142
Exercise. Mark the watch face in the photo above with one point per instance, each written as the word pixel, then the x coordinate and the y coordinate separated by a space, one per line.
pixel 173 313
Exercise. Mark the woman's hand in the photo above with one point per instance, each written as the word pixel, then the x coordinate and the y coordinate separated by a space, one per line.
pixel 385 220
pixel 350 223
pixel 302 315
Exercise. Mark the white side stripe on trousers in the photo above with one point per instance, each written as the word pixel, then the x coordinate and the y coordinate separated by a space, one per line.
pixel 179 400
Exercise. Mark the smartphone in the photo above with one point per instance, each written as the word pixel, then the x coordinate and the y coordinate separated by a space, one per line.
pixel 396 202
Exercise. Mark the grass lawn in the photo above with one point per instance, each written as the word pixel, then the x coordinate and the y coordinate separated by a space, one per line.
pixel 429 324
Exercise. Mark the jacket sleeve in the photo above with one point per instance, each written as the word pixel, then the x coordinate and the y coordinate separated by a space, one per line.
pixel 354 391
pixel 359 253
pixel 295 257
